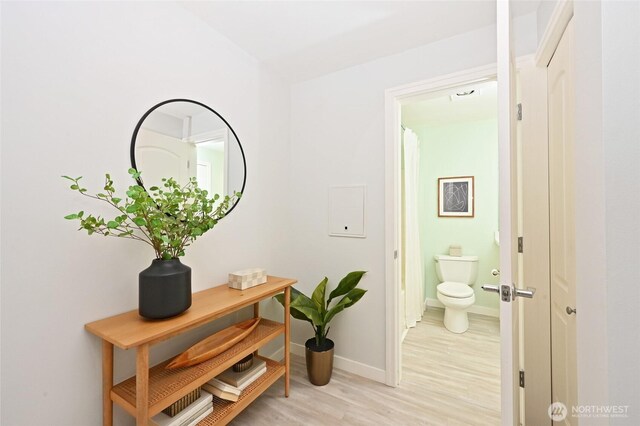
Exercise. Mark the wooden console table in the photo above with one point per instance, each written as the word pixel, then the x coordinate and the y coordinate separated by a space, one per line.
pixel 153 389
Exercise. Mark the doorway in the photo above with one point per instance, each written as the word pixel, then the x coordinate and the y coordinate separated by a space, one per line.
pixel 449 225
pixel 508 311
pixel 394 100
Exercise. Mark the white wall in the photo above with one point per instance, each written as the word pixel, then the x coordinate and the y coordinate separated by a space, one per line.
pixel 591 289
pixel 76 77
pixel 337 136
pixel 621 142
pixel 543 15
pixel 607 224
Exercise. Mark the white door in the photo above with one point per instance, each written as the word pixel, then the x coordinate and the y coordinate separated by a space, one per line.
pixel 560 74
pixel 160 156
pixel 203 175
pixel 535 315
pixel 509 326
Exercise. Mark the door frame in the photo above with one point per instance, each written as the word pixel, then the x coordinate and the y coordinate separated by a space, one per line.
pixel 560 17
pixel 393 101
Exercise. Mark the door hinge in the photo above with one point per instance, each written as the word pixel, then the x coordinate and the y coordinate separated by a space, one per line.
pixel 395 254
pixel 520 244
pixel 522 378
pixel 519 112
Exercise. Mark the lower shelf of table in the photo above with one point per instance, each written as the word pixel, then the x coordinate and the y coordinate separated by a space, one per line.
pixel 167 386
pixel 225 411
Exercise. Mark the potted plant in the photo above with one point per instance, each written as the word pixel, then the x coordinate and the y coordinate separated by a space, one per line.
pixel 168 219
pixel 317 310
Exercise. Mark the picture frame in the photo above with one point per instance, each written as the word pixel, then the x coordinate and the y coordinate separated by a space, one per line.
pixel 456 197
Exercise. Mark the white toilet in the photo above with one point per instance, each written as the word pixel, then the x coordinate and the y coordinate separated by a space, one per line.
pixel 456 274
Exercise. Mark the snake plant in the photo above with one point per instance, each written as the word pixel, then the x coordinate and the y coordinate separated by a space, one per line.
pixel 317 310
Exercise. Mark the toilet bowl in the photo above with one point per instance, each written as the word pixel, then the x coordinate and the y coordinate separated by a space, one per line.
pixel 457 274
pixel 457 298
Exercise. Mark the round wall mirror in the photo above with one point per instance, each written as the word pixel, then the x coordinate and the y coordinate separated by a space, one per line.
pixel 181 138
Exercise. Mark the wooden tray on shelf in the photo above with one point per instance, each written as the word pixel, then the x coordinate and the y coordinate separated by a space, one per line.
pixel 214 344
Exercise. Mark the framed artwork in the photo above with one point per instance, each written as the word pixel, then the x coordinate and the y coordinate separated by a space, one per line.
pixel 455 196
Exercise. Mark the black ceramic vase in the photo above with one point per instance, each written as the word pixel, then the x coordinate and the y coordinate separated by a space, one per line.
pixel 164 289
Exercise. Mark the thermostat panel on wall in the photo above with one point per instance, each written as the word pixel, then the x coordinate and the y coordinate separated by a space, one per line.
pixel 346 211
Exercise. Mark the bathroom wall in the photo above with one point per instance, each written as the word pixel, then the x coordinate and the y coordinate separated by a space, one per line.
pixel 460 149
pixel 76 78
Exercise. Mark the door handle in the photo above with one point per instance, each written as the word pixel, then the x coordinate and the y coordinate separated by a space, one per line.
pixel 503 290
pixel 570 310
pixel 491 288
pixel 509 292
pixel 528 293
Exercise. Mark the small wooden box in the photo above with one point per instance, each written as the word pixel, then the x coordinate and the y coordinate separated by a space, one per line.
pixel 247 278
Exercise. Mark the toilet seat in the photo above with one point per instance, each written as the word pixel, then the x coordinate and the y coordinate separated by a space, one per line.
pixel 455 290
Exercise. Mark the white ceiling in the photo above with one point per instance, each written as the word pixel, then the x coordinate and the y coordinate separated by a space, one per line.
pixel 440 109
pixel 306 39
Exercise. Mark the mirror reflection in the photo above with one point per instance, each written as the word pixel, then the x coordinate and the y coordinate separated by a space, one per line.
pixel 182 139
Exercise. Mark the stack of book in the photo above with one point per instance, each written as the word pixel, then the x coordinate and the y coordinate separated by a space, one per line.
pixel 230 384
pixel 189 416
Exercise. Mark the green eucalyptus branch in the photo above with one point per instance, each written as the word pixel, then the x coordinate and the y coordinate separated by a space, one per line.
pixel 168 218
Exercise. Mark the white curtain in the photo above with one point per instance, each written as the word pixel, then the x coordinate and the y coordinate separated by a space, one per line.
pixel 413 271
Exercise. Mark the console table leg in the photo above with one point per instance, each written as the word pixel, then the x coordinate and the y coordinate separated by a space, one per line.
pixel 142 385
pixel 256 314
pixel 287 339
pixel 107 383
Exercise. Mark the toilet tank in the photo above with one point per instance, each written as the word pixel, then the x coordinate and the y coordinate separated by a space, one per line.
pixel 460 269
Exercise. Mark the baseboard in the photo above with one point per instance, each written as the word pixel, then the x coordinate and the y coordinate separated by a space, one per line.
pixel 342 363
pixel 475 309
pixel 345 364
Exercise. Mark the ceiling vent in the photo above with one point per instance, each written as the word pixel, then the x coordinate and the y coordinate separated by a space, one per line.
pixel 464 94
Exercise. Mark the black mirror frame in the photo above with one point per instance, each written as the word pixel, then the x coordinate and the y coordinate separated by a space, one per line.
pixel 153 108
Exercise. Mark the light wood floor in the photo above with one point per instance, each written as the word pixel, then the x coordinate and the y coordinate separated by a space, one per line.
pixel 448 379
